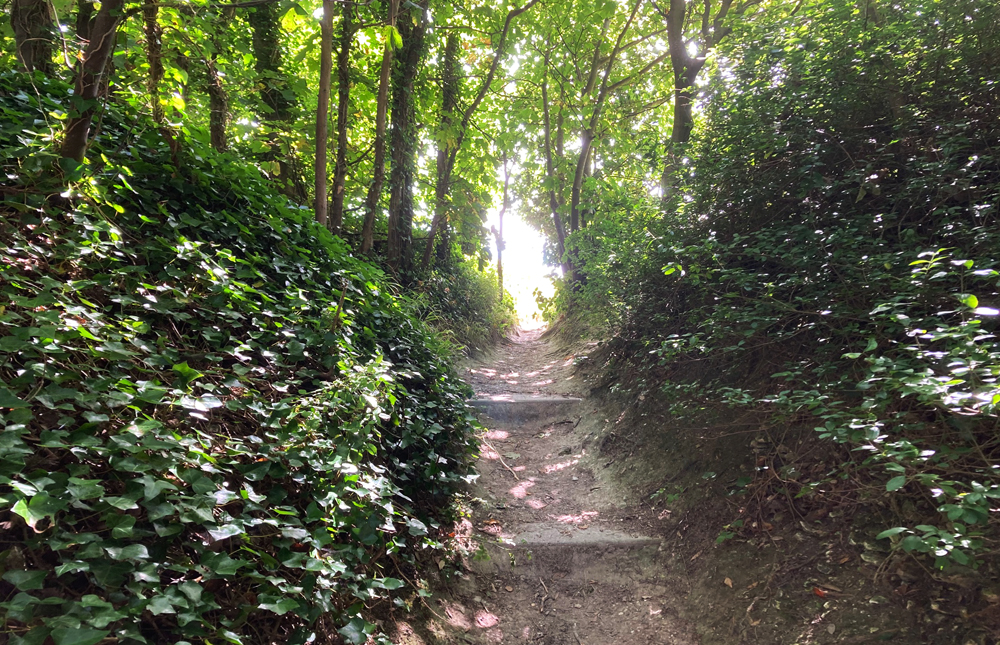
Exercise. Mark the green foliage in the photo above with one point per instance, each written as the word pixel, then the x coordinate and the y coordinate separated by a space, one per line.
pixel 217 424
pixel 831 250
pixel 466 303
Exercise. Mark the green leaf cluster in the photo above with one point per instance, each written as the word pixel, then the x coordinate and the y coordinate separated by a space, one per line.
pixel 217 424
pixel 829 256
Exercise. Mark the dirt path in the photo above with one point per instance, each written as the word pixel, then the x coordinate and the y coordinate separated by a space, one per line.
pixel 557 562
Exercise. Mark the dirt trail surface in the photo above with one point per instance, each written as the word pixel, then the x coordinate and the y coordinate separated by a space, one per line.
pixel 556 562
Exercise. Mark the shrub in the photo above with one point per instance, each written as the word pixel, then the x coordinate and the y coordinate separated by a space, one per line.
pixel 218 425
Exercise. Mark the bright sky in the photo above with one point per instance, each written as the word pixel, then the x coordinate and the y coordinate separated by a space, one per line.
pixel 523 270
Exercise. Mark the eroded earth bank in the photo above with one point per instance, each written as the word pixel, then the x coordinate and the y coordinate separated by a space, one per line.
pixel 599 519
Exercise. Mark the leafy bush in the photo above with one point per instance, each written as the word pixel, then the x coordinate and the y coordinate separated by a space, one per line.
pixel 217 424
pixel 467 304
pixel 831 254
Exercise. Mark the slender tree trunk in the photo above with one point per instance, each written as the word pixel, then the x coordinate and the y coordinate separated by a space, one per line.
pixel 686 69
pixel 218 100
pixel 449 103
pixel 550 177
pixel 84 19
pixel 503 211
pixel 323 109
pixel 264 21
pixel 34 29
pixel 343 109
pixel 88 78
pixel 586 141
pixel 154 56
pixel 463 126
pixel 218 109
pixel 378 170
pixel 266 42
pixel 403 144
pixel 587 136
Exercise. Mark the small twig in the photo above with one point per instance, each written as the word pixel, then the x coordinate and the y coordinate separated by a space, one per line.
pixel 493 448
pixel 577 635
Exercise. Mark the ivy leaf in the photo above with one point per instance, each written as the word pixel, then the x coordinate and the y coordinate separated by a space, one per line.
pixel 36 509
pixel 26 580
pixel 160 605
pixel 896 483
pixel 187 374
pixel 890 532
pixel 225 531
pixel 416 527
pixel 78 636
pixel 8 400
pixel 355 631
pixel 280 606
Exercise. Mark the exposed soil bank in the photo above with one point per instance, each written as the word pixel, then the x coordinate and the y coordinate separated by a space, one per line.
pixel 598 517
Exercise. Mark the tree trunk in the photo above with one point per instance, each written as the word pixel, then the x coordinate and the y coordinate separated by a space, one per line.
pixel 503 211
pixel 34 28
pixel 586 141
pixel 266 42
pixel 550 177
pixel 218 109
pixel 154 56
pixel 378 170
pixel 403 144
pixel 449 103
pixel 589 130
pixel 467 118
pixel 343 108
pixel 88 78
pixel 686 69
pixel 323 109
pixel 218 100
pixel 84 19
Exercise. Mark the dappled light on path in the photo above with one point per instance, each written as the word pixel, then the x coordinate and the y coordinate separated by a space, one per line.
pixel 548 559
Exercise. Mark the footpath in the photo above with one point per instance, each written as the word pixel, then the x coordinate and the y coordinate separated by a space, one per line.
pixel 556 561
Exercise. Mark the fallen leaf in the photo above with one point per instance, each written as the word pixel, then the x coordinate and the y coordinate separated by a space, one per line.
pixel 844 559
pixel 440 564
pixel 754 623
pixel 819 592
pixel 695 556
pixel 728 582
pixel 827 585
pixel 753 585
pixel 509 588
pixel 831 628
pixel 583 526
pixel 512 455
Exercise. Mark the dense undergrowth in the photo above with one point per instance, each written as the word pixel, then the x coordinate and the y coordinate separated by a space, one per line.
pixel 830 259
pixel 218 426
pixel 466 303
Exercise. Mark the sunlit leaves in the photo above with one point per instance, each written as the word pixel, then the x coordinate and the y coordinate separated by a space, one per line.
pixel 188 407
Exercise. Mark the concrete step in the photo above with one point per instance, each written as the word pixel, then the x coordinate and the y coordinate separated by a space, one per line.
pixel 527 409
pixel 546 549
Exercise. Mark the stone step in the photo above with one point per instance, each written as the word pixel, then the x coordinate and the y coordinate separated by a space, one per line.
pixel 527 409
pixel 544 549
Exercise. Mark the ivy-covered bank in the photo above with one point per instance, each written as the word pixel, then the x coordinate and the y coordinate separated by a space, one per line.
pixel 218 426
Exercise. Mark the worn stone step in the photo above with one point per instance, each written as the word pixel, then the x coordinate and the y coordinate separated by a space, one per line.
pixel 527 409
pixel 544 548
